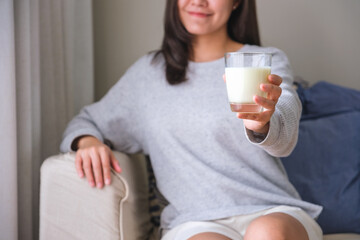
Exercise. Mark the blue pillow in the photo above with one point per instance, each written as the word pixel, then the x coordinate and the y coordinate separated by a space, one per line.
pixel 325 164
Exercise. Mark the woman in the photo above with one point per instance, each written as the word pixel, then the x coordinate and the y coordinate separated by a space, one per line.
pixel 221 175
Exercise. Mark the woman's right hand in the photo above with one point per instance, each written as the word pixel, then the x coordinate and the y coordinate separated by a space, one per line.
pixel 94 160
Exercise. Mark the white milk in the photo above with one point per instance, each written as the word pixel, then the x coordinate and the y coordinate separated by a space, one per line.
pixel 243 83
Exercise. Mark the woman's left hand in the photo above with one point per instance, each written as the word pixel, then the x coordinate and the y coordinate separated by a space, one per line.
pixel 260 122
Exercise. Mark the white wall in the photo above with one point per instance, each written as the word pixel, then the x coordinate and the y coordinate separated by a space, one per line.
pixel 321 37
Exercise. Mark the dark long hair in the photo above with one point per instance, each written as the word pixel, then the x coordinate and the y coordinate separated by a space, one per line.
pixel 176 47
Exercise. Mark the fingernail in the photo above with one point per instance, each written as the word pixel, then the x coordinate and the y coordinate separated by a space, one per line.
pixel 92 184
pixel 107 181
pixel 99 185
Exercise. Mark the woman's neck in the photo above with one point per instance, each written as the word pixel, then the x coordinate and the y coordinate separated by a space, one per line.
pixel 213 46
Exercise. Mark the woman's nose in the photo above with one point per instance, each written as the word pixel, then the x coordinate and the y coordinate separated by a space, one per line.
pixel 202 3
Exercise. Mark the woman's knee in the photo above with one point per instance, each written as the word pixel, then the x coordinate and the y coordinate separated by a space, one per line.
pixel 209 236
pixel 276 226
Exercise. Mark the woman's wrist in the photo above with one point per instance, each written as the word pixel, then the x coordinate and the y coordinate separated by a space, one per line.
pixel 264 130
pixel 84 141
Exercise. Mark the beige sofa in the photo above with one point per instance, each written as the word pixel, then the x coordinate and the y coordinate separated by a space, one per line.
pixel 71 209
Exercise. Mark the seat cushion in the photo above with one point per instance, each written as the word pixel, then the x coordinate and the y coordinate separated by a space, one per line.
pixel 342 237
pixel 325 164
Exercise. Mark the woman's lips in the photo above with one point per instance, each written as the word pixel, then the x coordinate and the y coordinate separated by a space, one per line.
pixel 199 14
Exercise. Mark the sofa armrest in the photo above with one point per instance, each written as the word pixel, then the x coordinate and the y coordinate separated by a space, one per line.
pixel 71 209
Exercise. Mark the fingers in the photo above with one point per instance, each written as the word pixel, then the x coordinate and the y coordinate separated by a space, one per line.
pixel 263 117
pixel 115 163
pixel 273 91
pixel 97 168
pixel 266 103
pixel 96 163
pixel 272 88
pixel 105 160
pixel 87 165
pixel 78 165
pixel 259 122
pixel 275 79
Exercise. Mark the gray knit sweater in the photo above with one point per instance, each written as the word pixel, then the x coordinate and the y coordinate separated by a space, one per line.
pixel 207 165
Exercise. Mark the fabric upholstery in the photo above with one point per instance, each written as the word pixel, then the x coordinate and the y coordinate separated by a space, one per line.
pixel 71 209
pixel 343 236
pixel 325 164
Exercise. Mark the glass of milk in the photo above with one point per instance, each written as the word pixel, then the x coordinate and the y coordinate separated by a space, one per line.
pixel 244 73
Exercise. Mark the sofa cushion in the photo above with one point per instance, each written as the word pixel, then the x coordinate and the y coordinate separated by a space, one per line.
pixel 325 164
pixel 344 236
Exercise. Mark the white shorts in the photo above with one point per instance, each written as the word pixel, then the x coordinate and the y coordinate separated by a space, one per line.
pixel 235 227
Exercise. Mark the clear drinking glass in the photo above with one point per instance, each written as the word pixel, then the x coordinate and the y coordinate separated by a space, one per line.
pixel 244 73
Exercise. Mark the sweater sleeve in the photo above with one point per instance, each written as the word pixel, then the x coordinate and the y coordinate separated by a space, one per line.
pixel 112 119
pixel 284 123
